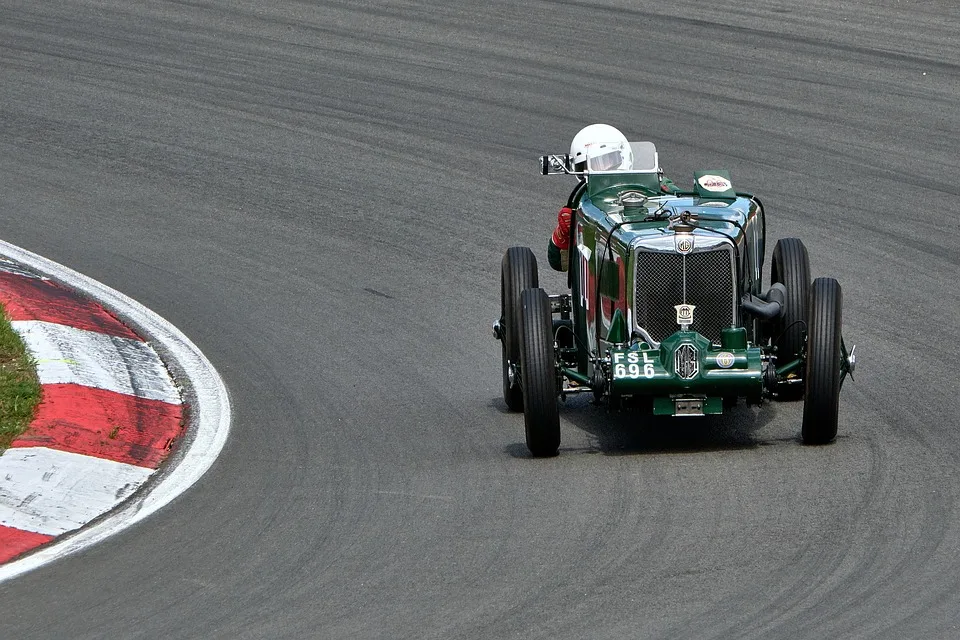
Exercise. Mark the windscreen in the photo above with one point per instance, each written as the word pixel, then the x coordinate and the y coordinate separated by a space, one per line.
pixel 606 157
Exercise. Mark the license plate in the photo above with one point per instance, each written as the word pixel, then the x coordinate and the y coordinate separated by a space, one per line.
pixel 688 407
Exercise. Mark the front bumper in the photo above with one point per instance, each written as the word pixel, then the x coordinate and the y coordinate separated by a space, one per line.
pixel 687 374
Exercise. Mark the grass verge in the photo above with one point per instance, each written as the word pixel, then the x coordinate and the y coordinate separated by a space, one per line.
pixel 19 388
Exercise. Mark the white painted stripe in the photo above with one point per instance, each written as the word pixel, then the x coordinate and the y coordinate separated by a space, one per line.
pixel 51 492
pixel 206 433
pixel 70 355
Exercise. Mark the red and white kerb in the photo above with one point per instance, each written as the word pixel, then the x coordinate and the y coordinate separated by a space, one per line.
pixel 108 415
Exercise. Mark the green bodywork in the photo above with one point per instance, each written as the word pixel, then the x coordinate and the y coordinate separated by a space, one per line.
pixel 612 355
pixel 722 372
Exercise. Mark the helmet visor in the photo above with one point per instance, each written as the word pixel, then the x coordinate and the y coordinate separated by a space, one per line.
pixel 605 157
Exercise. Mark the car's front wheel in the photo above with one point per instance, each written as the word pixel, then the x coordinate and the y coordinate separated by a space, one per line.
pixel 791 267
pixel 518 271
pixel 821 402
pixel 541 416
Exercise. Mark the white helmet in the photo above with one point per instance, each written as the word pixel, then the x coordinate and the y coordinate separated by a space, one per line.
pixel 604 146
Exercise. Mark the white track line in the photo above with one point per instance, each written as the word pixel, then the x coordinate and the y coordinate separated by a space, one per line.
pixel 209 416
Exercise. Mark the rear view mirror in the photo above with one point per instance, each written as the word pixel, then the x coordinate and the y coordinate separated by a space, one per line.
pixel 557 163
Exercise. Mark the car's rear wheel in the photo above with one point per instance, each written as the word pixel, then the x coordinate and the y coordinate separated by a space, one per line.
pixel 791 267
pixel 541 416
pixel 821 403
pixel 518 271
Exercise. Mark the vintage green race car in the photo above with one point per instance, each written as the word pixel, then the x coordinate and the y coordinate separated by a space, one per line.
pixel 667 311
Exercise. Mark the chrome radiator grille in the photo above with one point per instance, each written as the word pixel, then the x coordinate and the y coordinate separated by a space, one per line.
pixel 710 277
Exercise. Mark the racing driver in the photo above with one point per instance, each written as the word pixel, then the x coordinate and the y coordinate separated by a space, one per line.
pixel 608 150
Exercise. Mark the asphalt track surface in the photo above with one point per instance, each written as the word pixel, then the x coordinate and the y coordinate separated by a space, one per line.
pixel 319 196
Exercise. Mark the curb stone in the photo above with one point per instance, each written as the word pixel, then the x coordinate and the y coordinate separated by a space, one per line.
pixel 109 414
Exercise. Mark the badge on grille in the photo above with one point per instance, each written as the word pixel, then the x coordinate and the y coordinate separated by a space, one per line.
pixel 686 361
pixel 683 243
pixel 725 359
pixel 685 314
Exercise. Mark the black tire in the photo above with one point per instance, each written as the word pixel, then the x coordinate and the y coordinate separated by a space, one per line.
pixel 791 267
pixel 821 402
pixel 518 271
pixel 541 416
